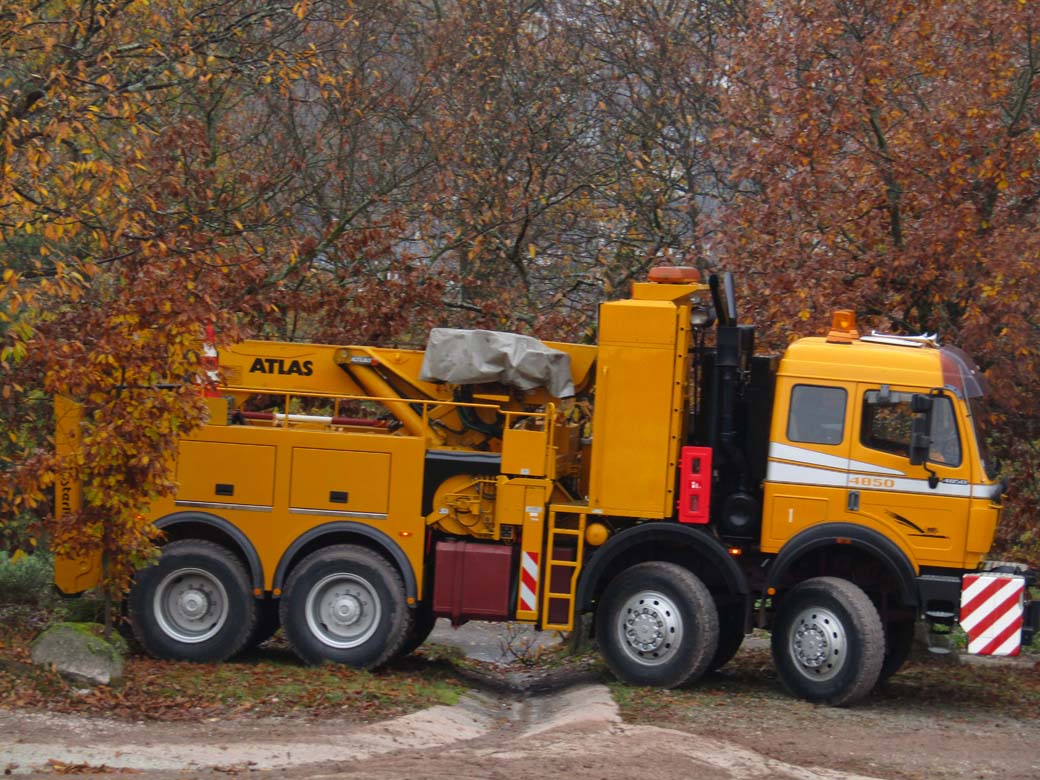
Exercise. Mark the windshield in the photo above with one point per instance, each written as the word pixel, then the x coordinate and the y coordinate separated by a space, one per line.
pixel 978 407
pixel 962 376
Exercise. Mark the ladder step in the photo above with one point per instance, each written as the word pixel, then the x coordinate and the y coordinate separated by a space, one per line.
pixel 558 605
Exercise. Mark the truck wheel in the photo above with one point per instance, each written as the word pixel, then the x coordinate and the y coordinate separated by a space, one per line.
pixel 899 641
pixel 267 624
pixel 657 625
pixel 345 604
pixel 195 604
pixel 731 637
pixel 423 621
pixel 828 642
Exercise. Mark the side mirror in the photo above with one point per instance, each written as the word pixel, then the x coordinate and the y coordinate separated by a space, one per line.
pixel 920 428
pixel 921 404
pixel 920 441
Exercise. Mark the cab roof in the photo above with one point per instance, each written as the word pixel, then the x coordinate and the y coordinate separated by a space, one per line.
pixel 912 365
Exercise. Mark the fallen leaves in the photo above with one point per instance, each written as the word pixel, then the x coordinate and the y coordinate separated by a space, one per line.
pixel 269 681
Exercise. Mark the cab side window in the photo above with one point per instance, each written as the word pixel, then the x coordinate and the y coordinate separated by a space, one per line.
pixel 817 414
pixel 887 419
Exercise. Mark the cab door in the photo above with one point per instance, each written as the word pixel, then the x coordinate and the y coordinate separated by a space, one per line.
pixel 925 506
pixel 807 473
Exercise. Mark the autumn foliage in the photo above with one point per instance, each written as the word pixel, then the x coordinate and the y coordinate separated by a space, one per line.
pixel 890 153
pixel 359 171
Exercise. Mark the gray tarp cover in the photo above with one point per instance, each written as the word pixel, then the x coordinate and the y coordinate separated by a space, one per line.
pixel 470 357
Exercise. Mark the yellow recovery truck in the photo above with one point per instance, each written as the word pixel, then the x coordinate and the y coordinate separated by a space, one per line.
pixel 681 494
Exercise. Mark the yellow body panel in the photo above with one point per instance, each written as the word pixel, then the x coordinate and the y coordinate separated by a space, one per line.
pixel 524 453
pixel 227 472
pixel 637 422
pixel 526 499
pixel 298 469
pixel 862 361
pixel 71 574
pixel 340 481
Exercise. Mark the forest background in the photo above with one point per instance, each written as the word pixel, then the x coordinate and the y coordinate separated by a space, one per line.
pixel 357 172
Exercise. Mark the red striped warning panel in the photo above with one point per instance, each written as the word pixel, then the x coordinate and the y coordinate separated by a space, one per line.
pixel 529 582
pixel 991 612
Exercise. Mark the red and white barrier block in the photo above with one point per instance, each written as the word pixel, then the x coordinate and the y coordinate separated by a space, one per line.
pixel 992 612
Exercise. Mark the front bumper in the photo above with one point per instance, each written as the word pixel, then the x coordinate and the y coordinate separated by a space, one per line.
pixel 993 605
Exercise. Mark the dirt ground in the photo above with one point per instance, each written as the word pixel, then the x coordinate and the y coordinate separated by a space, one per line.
pixel 576 734
pixel 725 728
pixel 894 734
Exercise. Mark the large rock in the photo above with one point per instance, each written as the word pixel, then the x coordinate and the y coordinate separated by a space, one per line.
pixel 79 652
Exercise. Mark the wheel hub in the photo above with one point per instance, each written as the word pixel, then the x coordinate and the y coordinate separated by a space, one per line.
pixel 643 629
pixel 343 610
pixel 811 645
pixel 193 604
pixel 650 628
pixel 190 605
pixel 818 643
pixel 347 609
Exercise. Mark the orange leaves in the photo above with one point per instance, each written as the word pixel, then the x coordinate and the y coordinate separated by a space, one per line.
pixel 892 166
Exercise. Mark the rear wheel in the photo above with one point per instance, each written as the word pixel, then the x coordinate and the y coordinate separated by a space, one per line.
pixel 828 642
pixel 267 623
pixel 195 604
pixel 657 625
pixel 345 604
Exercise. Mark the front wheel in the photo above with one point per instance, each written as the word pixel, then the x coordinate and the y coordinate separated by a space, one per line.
pixel 345 604
pixel 657 625
pixel 195 604
pixel 828 642
pixel 899 641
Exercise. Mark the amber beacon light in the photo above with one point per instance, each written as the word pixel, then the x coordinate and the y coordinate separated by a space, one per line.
pixel 674 274
pixel 843 327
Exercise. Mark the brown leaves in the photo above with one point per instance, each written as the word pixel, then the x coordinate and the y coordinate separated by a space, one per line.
pixel 884 158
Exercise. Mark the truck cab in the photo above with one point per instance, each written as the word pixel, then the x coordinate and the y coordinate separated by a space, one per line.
pixel 842 447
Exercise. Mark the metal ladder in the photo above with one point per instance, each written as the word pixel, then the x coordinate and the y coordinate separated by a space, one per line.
pixel 565 521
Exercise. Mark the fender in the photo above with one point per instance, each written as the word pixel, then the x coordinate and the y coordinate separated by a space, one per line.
pixel 671 535
pixel 256 568
pixel 858 536
pixel 384 542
